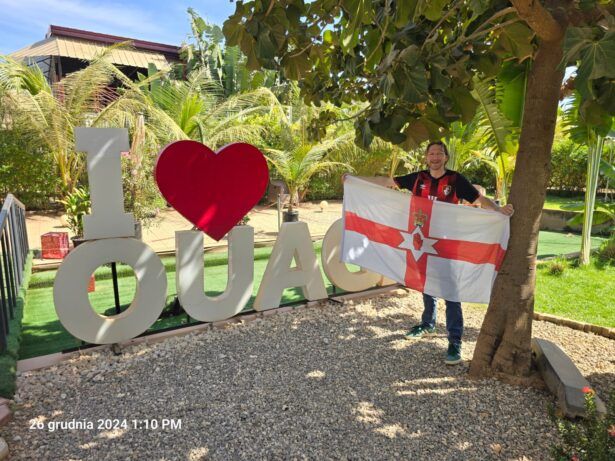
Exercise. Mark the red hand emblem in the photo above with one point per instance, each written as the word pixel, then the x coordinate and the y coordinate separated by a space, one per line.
pixel 417 241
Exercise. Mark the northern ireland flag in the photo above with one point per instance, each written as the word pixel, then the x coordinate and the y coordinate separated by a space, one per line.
pixel 445 250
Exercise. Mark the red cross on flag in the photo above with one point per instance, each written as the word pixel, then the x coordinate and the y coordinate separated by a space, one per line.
pixel 449 251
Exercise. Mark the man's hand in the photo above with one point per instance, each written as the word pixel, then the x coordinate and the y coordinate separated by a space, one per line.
pixel 507 210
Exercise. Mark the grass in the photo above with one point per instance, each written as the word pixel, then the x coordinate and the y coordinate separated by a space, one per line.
pixel 586 294
pixel 8 359
pixel 44 334
pixel 555 202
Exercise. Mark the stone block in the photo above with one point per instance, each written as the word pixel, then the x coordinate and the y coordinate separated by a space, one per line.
pixel 562 378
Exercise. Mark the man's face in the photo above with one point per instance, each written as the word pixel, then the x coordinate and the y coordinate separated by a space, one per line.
pixel 436 157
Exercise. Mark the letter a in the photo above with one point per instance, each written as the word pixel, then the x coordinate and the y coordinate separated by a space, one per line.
pixel 293 240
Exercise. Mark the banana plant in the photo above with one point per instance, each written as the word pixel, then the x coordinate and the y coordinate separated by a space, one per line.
pixel 461 142
pixel 577 120
pixel 604 212
pixel 498 122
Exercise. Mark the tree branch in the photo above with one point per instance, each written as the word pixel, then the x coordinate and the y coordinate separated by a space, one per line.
pixel 478 34
pixel 299 53
pixel 380 40
pixel 271 3
pixel 497 15
pixel 539 19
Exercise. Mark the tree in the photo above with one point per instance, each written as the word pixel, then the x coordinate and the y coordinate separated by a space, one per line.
pixel 46 115
pixel 303 153
pixel 414 63
pixel 225 65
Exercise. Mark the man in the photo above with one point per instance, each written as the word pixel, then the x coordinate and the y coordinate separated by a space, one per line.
pixel 438 183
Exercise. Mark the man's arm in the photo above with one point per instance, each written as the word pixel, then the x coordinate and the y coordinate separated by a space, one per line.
pixel 485 202
pixel 383 181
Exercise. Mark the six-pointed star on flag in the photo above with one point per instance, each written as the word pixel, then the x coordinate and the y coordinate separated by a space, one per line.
pixel 417 243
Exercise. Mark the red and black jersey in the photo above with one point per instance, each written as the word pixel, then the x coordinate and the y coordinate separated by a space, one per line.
pixel 450 187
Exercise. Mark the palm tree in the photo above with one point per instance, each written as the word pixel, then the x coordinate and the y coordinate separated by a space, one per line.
pixel 302 160
pixel 195 108
pixel 461 143
pixel 48 114
pixel 497 137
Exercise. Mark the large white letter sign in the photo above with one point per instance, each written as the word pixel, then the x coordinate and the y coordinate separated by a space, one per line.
pixel 337 271
pixel 70 290
pixel 191 284
pixel 293 241
pixel 104 146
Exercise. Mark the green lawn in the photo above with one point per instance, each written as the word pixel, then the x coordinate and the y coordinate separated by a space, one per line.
pixel 559 243
pixel 585 294
pixel 555 202
pixel 43 333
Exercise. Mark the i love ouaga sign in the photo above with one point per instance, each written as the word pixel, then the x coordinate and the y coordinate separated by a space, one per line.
pixel 213 191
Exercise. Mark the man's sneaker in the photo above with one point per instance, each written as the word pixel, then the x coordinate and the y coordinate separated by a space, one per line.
pixel 453 355
pixel 418 331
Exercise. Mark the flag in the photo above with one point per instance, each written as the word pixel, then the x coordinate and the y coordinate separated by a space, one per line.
pixel 448 251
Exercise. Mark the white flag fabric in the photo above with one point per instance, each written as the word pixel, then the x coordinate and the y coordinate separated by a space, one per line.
pixel 445 250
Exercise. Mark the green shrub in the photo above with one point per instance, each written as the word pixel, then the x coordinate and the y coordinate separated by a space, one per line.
pixel 569 166
pixel 589 439
pixel 558 266
pixel 26 171
pixel 481 174
pixel 324 187
pixel 606 253
pixel 77 204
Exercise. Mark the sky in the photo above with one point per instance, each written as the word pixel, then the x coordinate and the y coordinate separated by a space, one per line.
pixel 23 22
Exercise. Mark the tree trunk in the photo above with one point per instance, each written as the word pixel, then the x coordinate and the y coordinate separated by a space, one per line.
pixel 504 342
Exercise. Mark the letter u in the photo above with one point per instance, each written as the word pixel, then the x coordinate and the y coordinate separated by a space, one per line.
pixel 190 275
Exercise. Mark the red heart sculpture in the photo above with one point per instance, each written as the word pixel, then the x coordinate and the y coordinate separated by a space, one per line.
pixel 212 190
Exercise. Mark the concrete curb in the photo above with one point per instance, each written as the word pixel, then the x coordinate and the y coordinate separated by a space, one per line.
pixel 580 326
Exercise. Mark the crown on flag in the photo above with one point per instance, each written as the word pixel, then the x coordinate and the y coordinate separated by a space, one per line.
pixel 419 218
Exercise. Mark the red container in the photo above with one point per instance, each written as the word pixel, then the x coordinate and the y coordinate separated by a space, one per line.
pixel 54 245
pixel 92 284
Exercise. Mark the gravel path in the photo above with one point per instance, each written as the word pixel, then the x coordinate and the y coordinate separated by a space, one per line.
pixel 327 382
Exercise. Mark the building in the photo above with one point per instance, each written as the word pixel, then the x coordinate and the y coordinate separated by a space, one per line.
pixel 65 50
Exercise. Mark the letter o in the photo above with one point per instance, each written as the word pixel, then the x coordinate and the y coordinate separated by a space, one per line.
pixel 70 293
